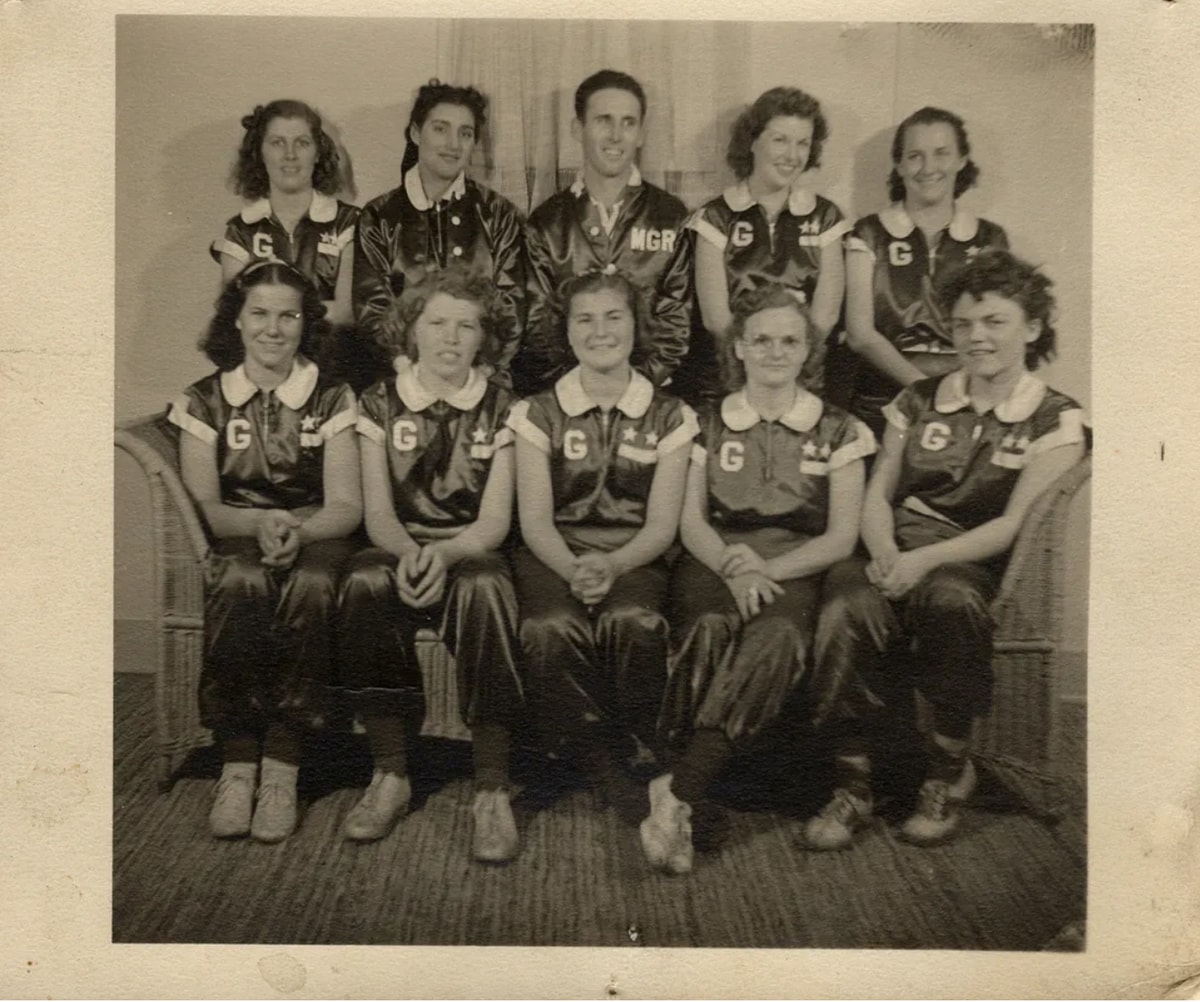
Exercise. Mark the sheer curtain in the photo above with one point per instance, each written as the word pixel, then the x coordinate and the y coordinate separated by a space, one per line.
pixel 694 74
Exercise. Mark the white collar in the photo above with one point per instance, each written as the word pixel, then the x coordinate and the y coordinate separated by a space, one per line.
pixel 237 388
pixel 322 209
pixel 896 220
pixel 578 187
pixel 416 397
pixel 416 191
pixel 739 414
pixel 800 201
pixel 951 395
pixel 573 398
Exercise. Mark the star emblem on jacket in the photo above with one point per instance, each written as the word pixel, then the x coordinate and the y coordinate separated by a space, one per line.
pixel 309 423
pixel 479 435
pixel 629 434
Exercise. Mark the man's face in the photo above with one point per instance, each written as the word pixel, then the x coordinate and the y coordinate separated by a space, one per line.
pixel 611 131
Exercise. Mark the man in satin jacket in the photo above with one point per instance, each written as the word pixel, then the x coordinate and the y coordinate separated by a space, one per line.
pixel 609 219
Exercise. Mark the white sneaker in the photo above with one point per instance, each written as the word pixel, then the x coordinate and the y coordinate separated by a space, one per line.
pixel 495 839
pixel 835 826
pixel 233 804
pixel 667 833
pixel 384 803
pixel 937 814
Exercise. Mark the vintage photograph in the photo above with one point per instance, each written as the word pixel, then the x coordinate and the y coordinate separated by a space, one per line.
pixel 602 483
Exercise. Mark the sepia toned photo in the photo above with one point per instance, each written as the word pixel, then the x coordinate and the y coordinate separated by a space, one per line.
pixel 602 483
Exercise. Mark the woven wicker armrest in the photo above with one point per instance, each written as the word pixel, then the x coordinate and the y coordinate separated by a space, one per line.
pixel 1029 604
pixel 154 443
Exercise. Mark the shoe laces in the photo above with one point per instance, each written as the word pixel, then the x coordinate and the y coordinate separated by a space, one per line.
pixel 844 808
pixel 935 796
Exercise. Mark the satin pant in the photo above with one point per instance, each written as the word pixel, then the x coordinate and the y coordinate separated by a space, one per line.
pixel 604 666
pixel 728 675
pixel 268 635
pixel 872 652
pixel 477 619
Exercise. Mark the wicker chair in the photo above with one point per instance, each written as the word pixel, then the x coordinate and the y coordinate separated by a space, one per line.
pixel 1021 728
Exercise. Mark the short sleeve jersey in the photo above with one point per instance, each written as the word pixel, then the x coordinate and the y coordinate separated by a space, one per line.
pixel 906 266
pixel 757 253
pixel 270 445
pixel 439 451
pixel 775 474
pixel 315 248
pixel 602 465
pixel 961 466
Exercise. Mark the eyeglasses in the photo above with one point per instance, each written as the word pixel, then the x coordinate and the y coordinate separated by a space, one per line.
pixel 761 344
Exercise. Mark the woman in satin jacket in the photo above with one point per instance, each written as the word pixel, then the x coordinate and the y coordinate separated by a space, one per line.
pixel 267 450
pixel 773 498
pixel 601 460
pixel 438 479
pixel 287 170
pixel 439 217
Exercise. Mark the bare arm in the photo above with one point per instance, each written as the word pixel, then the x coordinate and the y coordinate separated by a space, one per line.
pixel 841 531
pixel 383 527
pixel 712 287
pixel 495 514
pixel 342 510
pixel 831 287
pixel 535 507
pixel 695 531
pixel 198 466
pixel 662 514
pixel 878 525
pixel 861 334
pixel 230 266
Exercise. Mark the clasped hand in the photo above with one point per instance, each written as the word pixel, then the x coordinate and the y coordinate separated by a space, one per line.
pixel 592 577
pixel 895 574
pixel 745 575
pixel 279 538
pixel 421 576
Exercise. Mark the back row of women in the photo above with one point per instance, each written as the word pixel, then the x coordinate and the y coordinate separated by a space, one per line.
pixel 625 653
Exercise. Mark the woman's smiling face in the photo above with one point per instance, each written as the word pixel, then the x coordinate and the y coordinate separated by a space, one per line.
pixel 289 153
pixel 445 141
pixel 600 329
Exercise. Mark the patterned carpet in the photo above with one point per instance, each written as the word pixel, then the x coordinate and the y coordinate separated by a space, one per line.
pixel 1008 882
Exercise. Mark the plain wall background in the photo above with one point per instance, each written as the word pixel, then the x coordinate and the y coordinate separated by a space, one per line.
pixel 183 84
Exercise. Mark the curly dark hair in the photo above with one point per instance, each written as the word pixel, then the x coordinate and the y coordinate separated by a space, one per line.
pixel 398 328
pixel 770 297
pixel 249 173
pixel 222 342
pixel 774 103
pixel 932 116
pixel 605 80
pixel 1000 272
pixel 429 96
pixel 597 280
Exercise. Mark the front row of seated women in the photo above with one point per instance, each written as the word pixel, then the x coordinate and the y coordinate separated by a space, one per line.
pixel 621 649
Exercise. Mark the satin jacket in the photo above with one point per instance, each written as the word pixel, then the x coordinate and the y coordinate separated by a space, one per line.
pixel 315 248
pixel 907 266
pixel 270 446
pixel 566 236
pixel 960 466
pixel 439 451
pixel 775 474
pixel 602 464
pixel 401 235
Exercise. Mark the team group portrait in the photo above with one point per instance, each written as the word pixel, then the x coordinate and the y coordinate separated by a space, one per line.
pixel 601 483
